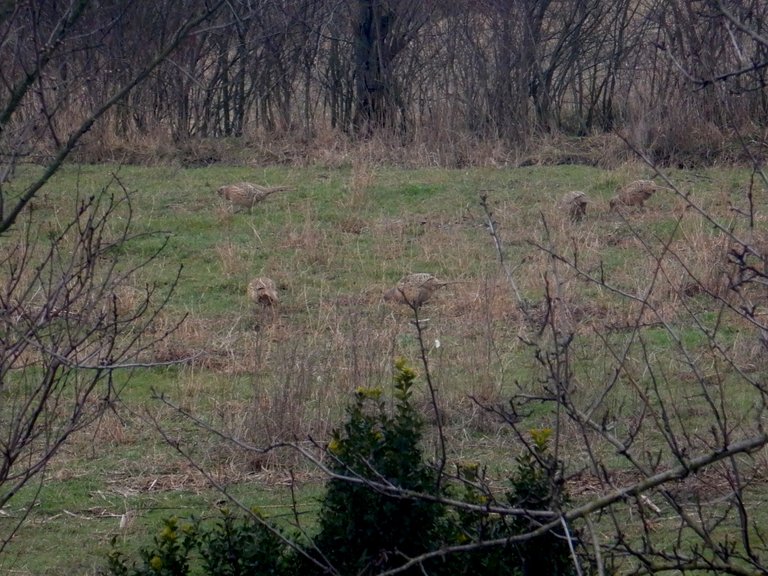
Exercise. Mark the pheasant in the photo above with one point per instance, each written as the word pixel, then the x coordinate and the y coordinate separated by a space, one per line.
pixel 262 291
pixel 414 289
pixel 576 204
pixel 247 195
pixel 635 193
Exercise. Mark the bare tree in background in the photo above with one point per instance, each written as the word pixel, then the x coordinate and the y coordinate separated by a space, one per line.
pixel 383 29
pixel 71 313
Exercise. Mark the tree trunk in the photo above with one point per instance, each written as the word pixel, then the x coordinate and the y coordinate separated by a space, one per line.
pixel 374 52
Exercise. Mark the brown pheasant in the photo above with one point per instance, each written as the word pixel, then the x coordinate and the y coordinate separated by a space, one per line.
pixel 635 193
pixel 414 289
pixel 575 202
pixel 262 291
pixel 247 195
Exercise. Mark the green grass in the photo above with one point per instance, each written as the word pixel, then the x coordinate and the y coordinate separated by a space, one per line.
pixel 333 245
pixel 77 520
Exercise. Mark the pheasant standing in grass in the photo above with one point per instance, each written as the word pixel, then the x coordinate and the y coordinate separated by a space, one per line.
pixel 635 193
pixel 247 195
pixel 262 291
pixel 414 289
pixel 575 202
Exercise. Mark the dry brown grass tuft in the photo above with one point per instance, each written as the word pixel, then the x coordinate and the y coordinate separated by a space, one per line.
pixel 360 185
pixel 358 192
pixel 607 151
pixel 224 215
pixel 232 258
pixel 126 300
pixel 112 430
pixel 698 261
pixel 352 225
pixel 194 341
pixel 439 147
pixel 677 139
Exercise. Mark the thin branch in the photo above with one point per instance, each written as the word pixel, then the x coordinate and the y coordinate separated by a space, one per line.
pixel 10 217
pixel 492 227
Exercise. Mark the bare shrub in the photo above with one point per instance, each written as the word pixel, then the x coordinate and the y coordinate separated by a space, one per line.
pixel 70 325
pixel 70 322
pixel 232 259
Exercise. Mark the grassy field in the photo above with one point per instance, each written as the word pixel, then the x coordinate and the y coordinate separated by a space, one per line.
pixel 333 246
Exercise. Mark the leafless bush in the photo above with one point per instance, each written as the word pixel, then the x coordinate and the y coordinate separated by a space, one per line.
pixel 72 326
pixel 74 319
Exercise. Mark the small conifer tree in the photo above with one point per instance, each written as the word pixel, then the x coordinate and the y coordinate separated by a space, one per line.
pixel 364 530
